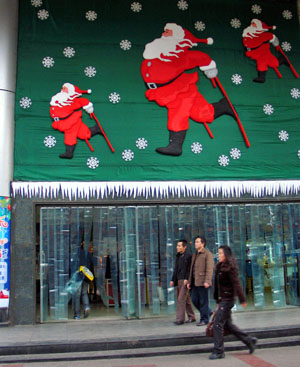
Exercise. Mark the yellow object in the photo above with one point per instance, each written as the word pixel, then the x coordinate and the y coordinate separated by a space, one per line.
pixel 86 272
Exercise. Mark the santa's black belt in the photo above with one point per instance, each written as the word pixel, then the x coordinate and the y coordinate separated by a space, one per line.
pixel 255 48
pixel 156 85
pixel 63 118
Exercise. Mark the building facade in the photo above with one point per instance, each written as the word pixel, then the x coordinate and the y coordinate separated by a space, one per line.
pixel 236 181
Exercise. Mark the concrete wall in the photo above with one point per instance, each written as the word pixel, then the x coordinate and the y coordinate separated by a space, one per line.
pixel 8 62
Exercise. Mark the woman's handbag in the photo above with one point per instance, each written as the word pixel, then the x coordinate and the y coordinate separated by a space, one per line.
pixel 210 327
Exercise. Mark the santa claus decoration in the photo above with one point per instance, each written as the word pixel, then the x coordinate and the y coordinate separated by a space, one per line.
pixel 163 70
pixel 257 39
pixel 66 113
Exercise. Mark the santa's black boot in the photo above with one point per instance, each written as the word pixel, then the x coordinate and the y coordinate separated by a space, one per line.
pixel 95 130
pixel 174 147
pixel 69 152
pixel 223 108
pixel 282 60
pixel 261 77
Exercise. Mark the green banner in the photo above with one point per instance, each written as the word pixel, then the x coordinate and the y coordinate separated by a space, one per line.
pixel 99 45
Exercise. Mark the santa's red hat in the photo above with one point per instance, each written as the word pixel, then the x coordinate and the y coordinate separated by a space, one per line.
pixel 192 38
pixel 265 26
pixel 262 25
pixel 73 89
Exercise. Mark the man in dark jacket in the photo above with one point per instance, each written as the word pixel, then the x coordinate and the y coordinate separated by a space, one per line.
pixel 180 279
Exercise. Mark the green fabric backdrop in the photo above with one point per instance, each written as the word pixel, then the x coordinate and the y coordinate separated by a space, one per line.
pixel 97 43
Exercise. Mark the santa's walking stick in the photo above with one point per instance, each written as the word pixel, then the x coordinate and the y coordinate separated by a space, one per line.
pixel 89 145
pixel 233 109
pixel 296 75
pixel 108 142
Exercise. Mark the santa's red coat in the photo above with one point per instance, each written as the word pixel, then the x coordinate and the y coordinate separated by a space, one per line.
pixel 68 120
pixel 259 50
pixel 181 96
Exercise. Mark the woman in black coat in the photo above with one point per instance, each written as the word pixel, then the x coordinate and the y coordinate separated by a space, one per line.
pixel 227 288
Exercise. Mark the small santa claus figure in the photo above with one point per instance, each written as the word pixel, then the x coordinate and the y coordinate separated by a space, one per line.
pixel 66 113
pixel 163 70
pixel 257 39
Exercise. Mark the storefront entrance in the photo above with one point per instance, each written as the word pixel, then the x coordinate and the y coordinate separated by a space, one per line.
pixel 133 250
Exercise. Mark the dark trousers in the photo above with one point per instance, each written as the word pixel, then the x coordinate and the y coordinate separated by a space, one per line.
pixel 223 319
pixel 200 301
pixel 184 303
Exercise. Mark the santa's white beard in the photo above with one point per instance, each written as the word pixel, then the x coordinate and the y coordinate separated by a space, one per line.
pixel 252 32
pixel 163 45
pixel 60 99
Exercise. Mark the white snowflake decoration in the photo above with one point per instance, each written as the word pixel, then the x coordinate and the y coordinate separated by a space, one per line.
pixel 223 160
pixel 114 97
pixel 236 79
pixel 286 46
pixel 235 23
pixel 256 9
pixel 48 62
pixel 235 153
pixel 127 155
pixel 295 93
pixel 136 7
pixel 92 162
pixel 90 71
pixel 69 52
pixel 283 135
pixel 25 102
pixel 196 147
pixel 182 5
pixel 141 143
pixel 287 14
pixel 268 109
pixel 49 141
pixel 36 3
pixel 299 154
pixel 125 45
pixel 200 26
pixel 43 14
pixel 91 15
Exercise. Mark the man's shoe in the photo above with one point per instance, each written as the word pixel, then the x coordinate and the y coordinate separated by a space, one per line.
pixel 252 345
pixel 86 312
pixel 77 317
pixel 190 321
pixel 217 356
pixel 178 322
pixel 202 323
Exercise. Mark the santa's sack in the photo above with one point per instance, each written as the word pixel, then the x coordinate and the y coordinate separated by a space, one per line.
pixel 210 327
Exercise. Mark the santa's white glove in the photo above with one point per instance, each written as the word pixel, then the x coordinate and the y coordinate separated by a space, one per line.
pixel 275 41
pixel 211 73
pixel 210 70
pixel 89 108
pixel 210 41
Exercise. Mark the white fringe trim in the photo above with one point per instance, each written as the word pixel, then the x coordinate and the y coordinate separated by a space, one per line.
pixel 156 189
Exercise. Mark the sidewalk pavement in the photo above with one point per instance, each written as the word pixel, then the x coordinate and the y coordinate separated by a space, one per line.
pixel 151 328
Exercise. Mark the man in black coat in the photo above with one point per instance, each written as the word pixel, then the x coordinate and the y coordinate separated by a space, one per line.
pixel 180 279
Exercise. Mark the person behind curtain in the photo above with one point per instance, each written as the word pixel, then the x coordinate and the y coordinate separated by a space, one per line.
pixel 226 288
pixel 82 292
pixel 180 279
pixel 200 279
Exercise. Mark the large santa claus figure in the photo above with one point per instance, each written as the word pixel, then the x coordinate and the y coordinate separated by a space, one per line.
pixel 163 70
pixel 257 39
pixel 66 113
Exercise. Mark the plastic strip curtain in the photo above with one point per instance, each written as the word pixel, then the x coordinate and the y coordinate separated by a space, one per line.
pixel 291 248
pixel 54 263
